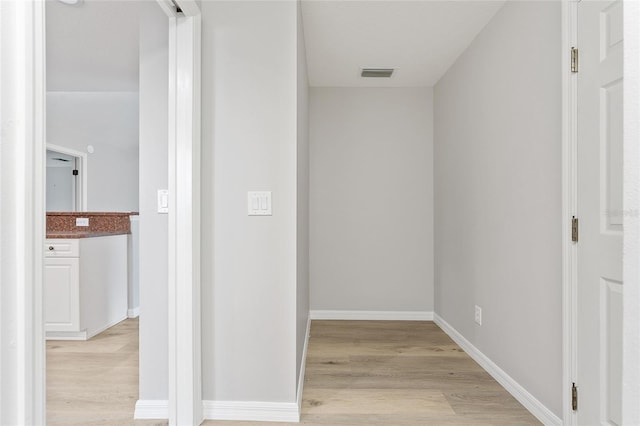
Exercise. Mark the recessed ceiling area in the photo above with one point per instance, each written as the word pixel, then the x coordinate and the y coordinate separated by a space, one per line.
pixel 420 39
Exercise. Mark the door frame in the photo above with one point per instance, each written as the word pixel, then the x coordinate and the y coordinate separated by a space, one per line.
pixel 22 212
pixel 631 209
pixel 569 207
pixel 184 335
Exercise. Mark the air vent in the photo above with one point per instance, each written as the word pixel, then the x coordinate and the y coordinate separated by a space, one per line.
pixel 377 72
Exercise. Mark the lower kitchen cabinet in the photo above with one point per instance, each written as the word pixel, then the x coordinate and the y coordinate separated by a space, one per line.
pixel 85 286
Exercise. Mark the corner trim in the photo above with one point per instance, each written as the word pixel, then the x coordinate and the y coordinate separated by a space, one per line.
pixel 536 408
pixel 151 409
pixel 372 315
pixel 303 366
pixel 251 411
pixel 133 313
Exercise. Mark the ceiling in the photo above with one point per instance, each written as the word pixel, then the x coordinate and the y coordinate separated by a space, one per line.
pixel 421 38
pixel 93 46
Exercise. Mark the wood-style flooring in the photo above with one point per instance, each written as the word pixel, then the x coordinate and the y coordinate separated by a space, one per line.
pixel 357 373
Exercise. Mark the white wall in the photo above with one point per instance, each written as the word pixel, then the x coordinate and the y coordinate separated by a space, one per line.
pixel 498 196
pixel 109 122
pixel 133 248
pixel 302 292
pixel 371 199
pixel 154 83
pixel 249 143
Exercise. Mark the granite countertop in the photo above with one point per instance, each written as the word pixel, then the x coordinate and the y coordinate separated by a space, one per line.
pixel 63 224
pixel 84 214
pixel 81 234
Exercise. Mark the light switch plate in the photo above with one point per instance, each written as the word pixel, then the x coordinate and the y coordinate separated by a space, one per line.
pixel 82 221
pixel 163 201
pixel 259 203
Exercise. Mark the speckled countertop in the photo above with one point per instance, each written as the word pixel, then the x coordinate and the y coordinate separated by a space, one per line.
pixel 63 224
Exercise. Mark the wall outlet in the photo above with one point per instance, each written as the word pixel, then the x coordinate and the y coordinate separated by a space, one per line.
pixel 82 221
pixel 478 316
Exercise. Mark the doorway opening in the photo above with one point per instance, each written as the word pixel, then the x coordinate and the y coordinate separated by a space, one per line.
pixel 66 178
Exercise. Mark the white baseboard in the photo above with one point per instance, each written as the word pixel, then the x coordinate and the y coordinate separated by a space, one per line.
pixel 251 411
pixel 536 408
pixel 151 409
pixel 80 335
pixel 133 313
pixel 66 335
pixel 303 366
pixel 372 315
pixel 95 332
pixel 261 411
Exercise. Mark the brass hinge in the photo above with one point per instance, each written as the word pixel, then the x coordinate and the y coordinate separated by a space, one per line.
pixel 574 397
pixel 574 229
pixel 574 59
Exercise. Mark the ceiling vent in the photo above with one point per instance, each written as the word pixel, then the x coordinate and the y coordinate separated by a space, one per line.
pixel 377 72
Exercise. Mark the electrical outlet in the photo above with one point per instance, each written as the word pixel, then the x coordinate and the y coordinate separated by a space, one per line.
pixel 478 315
pixel 82 221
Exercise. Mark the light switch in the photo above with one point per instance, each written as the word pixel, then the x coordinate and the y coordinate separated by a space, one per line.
pixel 163 201
pixel 259 203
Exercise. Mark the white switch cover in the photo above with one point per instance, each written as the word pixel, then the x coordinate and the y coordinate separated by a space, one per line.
pixel 163 201
pixel 259 203
pixel 82 221
pixel 478 315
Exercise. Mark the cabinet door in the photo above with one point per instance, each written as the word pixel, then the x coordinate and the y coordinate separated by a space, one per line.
pixel 61 294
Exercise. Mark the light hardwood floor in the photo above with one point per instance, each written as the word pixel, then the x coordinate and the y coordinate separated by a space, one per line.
pixel 358 373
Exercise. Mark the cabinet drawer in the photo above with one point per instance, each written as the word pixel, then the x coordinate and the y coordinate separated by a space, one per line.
pixel 62 248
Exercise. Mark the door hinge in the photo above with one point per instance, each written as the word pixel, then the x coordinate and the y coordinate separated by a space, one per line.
pixel 75 172
pixel 574 59
pixel 574 397
pixel 574 229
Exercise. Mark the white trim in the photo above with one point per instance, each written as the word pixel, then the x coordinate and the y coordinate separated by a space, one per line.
pixel 184 335
pixel 167 7
pixel 536 408
pixel 631 207
pixel 82 335
pixel 372 315
pixel 81 205
pixel 151 410
pixel 133 313
pixel 189 8
pixel 66 335
pixel 569 208
pixel 106 327
pixel 303 366
pixel 251 411
pixel 22 83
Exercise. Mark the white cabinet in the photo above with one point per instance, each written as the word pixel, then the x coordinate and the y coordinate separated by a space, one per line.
pixel 62 291
pixel 85 286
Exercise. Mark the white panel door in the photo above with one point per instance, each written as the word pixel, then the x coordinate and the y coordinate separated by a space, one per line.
pixel 599 303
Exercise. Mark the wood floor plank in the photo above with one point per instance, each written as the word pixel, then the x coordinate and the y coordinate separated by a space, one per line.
pixel 357 373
